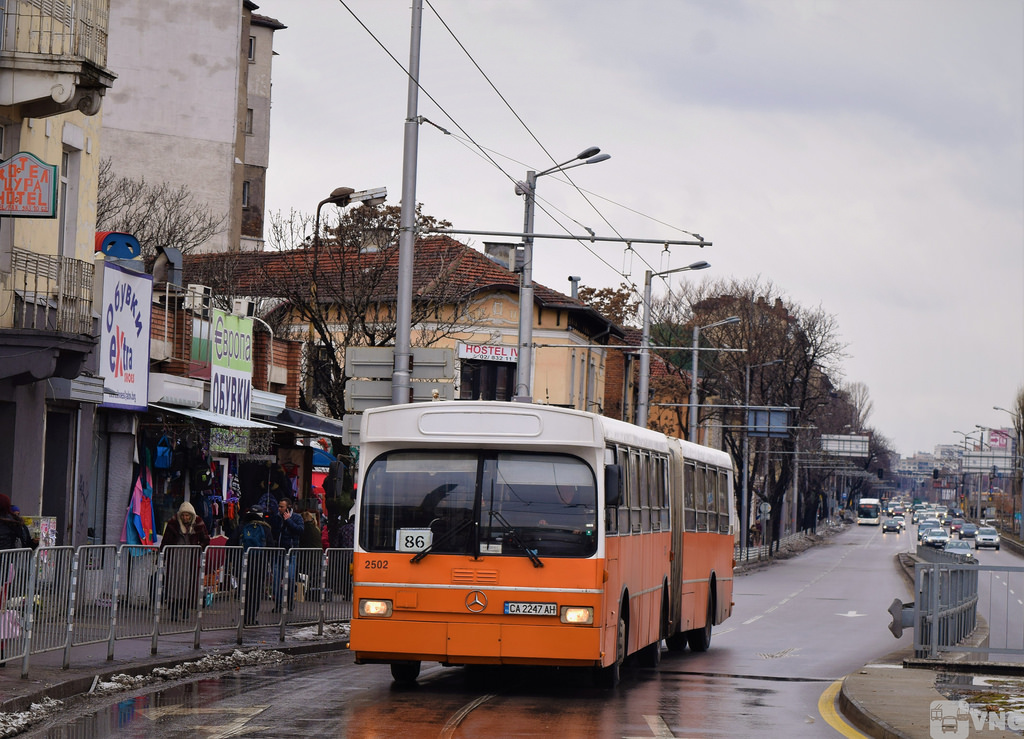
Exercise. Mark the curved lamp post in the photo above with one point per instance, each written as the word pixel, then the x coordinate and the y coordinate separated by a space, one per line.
pixel 643 402
pixel 693 383
pixel 524 379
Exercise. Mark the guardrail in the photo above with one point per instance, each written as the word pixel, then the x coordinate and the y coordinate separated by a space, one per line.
pixel 57 598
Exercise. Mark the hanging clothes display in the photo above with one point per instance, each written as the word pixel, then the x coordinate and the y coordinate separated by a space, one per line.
pixel 139 522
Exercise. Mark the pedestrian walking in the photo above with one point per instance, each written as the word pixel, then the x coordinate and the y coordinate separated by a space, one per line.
pixel 182 565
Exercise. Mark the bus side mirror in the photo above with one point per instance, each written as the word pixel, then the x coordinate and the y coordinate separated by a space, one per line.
pixel 612 485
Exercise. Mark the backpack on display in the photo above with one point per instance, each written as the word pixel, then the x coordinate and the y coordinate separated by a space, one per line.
pixel 253 535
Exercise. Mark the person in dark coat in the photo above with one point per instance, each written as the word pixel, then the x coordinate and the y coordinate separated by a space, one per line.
pixel 14 534
pixel 182 565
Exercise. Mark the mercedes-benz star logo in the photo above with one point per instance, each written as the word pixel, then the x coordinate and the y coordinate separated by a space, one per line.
pixel 476 601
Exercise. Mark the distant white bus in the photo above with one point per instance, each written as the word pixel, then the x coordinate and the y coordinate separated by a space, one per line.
pixel 869 511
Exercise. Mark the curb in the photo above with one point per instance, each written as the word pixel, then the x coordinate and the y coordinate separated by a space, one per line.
pixel 75 687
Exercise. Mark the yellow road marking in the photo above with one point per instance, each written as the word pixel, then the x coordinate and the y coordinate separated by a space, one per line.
pixel 827 709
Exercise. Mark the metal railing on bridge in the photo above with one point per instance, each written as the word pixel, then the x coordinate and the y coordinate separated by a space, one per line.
pixel 58 598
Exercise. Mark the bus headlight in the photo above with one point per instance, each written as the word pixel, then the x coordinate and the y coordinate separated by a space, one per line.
pixel 375 608
pixel 577 615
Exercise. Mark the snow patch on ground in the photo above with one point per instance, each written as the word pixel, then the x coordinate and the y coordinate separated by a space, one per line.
pixel 12 724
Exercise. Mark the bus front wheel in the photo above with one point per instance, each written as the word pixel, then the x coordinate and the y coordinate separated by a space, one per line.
pixel 405 672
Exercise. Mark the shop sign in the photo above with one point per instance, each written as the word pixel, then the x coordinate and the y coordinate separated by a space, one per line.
pixel 124 337
pixel 489 352
pixel 28 187
pixel 231 373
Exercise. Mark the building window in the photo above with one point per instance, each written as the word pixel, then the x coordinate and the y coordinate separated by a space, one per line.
pixel 248 121
pixel 252 48
pixel 245 194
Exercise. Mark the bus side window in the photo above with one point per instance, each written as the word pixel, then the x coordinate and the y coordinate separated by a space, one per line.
pixel 711 496
pixel 622 457
pixel 689 497
pixel 646 482
pixel 634 491
pixel 724 498
pixel 701 497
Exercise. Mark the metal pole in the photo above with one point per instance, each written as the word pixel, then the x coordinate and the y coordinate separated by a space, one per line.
pixel 645 356
pixel 401 390
pixel 693 386
pixel 744 493
pixel 524 379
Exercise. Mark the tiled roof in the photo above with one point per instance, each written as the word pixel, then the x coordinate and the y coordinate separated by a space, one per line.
pixel 440 263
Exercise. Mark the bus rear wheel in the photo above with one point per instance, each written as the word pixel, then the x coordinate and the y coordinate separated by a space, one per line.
pixel 700 639
pixel 405 672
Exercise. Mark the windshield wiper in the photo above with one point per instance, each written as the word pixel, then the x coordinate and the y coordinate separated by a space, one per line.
pixel 513 536
pixel 442 538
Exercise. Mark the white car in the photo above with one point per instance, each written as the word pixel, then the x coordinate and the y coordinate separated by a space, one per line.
pixel 937 538
pixel 986 537
pixel 958 547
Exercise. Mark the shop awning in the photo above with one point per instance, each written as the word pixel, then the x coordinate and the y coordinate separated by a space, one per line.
pixel 215 419
pixel 306 423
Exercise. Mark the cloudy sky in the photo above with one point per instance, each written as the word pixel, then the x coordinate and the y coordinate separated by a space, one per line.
pixel 865 156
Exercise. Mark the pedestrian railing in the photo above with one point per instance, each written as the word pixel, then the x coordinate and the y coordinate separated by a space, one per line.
pixel 57 598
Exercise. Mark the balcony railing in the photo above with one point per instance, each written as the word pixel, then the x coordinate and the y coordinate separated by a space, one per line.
pixel 54 293
pixel 56 27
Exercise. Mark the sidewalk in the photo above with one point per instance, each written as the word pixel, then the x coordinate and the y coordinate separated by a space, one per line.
pixel 90 668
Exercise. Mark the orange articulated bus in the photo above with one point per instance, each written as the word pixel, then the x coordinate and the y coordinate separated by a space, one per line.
pixel 508 533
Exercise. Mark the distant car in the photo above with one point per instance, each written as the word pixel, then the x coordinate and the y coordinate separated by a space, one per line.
pixel 891 524
pixel 958 547
pixel 937 537
pixel 926 524
pixel 955 524
pixel 968 530
pixel 986 537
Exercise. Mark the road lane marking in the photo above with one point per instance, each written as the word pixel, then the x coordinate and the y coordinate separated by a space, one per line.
pixel 832 717
pixel 659 729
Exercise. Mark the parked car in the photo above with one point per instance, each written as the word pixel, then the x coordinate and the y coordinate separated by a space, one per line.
pixel 968 530
pixel 937 537
pixel 891 524
pixel 958 547
pixel 986 537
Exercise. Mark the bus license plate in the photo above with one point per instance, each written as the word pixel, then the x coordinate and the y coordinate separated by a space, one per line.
pixel 518 608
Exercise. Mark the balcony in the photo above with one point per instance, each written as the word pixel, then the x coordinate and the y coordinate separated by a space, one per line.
pixel 50 331
pixel 53 55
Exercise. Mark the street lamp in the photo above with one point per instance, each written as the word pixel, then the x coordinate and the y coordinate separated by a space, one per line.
pixel 693 361
pixel 524 380
pixel 342 196
pixel 744 493
pixel 1018 461
pixel 645 341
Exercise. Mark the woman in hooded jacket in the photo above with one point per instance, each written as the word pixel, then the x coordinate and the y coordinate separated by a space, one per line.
pixel 181 566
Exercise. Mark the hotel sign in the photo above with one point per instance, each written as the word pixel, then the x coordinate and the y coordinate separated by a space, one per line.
pixel 28 187
pixel 489 352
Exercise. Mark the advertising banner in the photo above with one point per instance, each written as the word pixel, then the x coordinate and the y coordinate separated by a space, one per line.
pixel 231 354
pixel 124 337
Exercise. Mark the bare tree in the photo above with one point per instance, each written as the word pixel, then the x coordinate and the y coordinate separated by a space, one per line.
pixel 338 290
pixel 158 215
pixel 792 357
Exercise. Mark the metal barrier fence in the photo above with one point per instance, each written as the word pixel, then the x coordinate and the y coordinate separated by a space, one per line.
pixel 57 598
pixel 946 604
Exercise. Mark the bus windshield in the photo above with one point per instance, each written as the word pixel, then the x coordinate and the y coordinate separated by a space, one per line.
pixel 479 503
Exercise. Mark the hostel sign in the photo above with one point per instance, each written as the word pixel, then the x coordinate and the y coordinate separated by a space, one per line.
pixel 28 187
pixel 231 362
